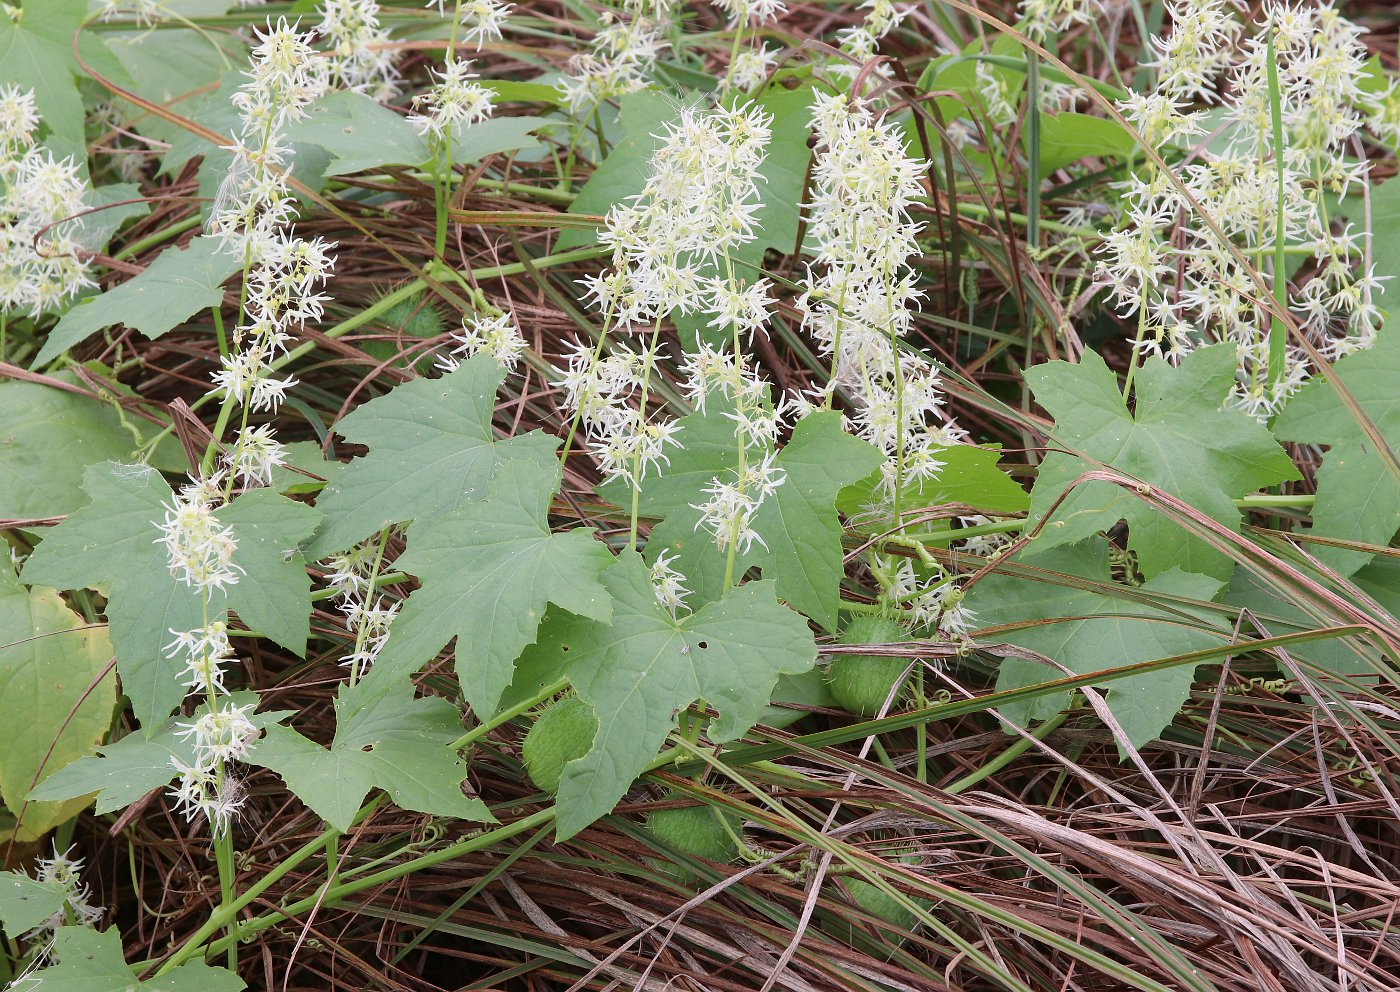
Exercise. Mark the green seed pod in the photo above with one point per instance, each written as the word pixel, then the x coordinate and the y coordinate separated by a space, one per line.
pixel 879 904
pixel 860 682
pixel 563 732
pixel 697 830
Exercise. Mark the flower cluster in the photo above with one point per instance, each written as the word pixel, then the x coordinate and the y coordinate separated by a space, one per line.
pixel 199 546
pixel 143 12
pixel 367 617
pixel 200 550
pixel 495 336
pixel 623 54
pixel 741 12
pixel 359 57
pixel 862 41
pixel 856 308
pixel 601 390
pixel 668 585
pixel 672 252
pixel 859 291
pixel 41 258
pixel 734 499
pixel 697 206
pixel 1192 283
pixel 1046 17
pixel 64 871
pixel 451 103
pixel 283 274
pixel 484 19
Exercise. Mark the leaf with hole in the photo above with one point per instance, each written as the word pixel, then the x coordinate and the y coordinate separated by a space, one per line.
pixel 384 738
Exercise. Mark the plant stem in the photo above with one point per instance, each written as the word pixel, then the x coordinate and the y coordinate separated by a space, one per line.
pixel 505 716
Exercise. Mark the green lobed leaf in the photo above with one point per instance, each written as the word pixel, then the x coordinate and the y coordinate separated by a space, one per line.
pixel 1178 438
pixel 1278 615
pixel 92 961
pixel 384 738
pixel 129 768
pixel 1067 137
pixel 111 206
pixel 26 903
pixel 36 54
pixel 112 541
pixel 1357 497
pixel 178 284
pixel 361 134
pixel 55 700
pixel 640 670
pixel 488 571
pixel 432 451
pixel 970 475
pixel 1092 631
pixel 49 437
pixel 798 522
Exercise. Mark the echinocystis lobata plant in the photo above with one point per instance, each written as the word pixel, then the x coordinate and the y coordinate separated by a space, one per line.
pixel 443 428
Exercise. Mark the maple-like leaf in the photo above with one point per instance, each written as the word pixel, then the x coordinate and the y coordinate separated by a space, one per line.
pixel 487 571
pixel 798 521
pixel 88 960
pixel 639 671
pixel 432 451
pixel 1178 438
pixel 1358 499
pixel 385 738
pixel 111 542
pixel 126 769
pixel 1091 631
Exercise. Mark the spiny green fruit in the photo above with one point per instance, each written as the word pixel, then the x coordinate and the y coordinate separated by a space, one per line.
pixel 861 682
pixel 697 830
pixel 414 318
pixel 563 732
pixel 877 903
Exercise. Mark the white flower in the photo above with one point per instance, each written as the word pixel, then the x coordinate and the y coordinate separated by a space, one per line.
pixel 201 791
pixel 359 57
pixel 451 103
pixel 668 585
pixel 65 871
pixel 495 336
pixel 200 548
pixel 371 626
pixel 750 68
pixel 255 454
pixel 729 512
pixel 1044 17
pixel 204 652
pixel 221 735
pixel 484 19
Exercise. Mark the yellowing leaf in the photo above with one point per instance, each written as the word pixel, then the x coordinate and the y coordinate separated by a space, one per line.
pixel 57 690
